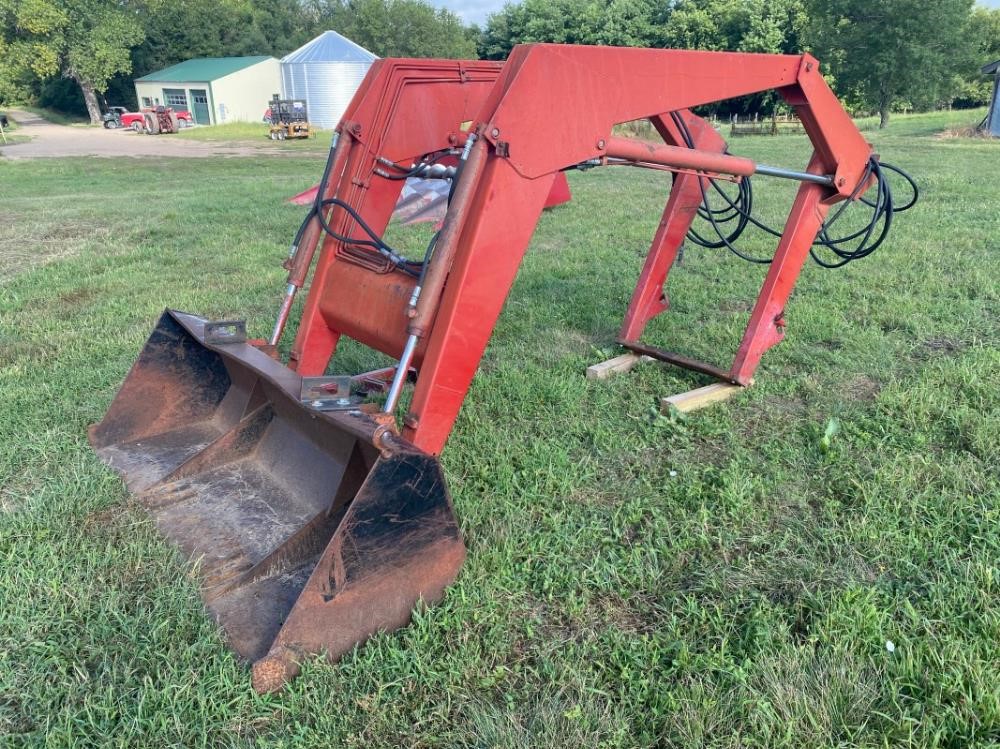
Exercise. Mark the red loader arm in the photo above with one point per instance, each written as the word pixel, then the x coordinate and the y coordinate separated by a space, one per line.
pixel 549 108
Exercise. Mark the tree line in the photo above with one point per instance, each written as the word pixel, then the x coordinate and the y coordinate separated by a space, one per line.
pixel 879 55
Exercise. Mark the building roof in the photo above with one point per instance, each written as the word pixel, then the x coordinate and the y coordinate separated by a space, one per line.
pixel 329 47
pixel 203 69
pixel 993 67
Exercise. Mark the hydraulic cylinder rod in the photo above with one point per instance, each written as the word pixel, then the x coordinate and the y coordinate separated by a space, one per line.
pixel 777 171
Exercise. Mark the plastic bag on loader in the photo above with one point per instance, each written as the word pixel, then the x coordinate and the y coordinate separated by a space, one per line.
pixel 311 530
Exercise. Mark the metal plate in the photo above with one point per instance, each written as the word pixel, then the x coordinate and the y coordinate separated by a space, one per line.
pixel 328 393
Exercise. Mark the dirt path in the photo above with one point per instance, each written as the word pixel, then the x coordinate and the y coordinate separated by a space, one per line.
pixel 51 140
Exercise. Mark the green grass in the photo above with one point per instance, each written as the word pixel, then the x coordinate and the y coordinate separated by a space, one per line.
pixel 256 133
pixel 633 579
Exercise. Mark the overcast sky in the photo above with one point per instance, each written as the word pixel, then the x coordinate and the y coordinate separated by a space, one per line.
pixel 475 11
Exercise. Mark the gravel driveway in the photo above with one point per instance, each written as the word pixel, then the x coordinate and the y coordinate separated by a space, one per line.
pixel 50 140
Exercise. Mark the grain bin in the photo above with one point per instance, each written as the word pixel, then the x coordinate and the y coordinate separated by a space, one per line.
pixel 325 72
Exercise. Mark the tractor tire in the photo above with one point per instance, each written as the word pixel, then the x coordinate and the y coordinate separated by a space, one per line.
pixel 152 124
pixel 137 126
pixel 108 125
pixel 273 135
pixel 174 123
pixel 184 124
pixel 282 135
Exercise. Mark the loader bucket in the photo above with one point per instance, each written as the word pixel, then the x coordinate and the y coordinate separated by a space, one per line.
pixel 310 530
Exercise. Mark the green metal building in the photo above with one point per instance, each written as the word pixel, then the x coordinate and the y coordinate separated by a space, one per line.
pixel 214 89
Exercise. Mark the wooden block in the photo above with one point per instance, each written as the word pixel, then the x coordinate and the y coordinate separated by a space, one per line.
pixel 700 397
pixel 619 364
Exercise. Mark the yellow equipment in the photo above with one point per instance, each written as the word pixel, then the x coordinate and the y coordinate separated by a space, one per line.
pixel 289 119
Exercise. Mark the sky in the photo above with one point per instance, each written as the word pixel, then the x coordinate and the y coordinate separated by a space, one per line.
pixel 476 11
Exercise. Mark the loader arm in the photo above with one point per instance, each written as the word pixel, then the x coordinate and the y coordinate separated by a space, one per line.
pixel 550 107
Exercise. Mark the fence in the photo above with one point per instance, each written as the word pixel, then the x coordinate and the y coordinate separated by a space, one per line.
pixel 786 124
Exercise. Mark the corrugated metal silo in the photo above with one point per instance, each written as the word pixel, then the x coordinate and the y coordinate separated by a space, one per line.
pixel 325 72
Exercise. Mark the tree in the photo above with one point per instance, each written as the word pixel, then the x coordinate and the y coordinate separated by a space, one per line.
pixel 972 88
pixel 179 30
pixel 888 52
pixel 24 58
pixel 88 41
pixel 399 28
pixel 984 35
pixel 623 23
pixel 736 25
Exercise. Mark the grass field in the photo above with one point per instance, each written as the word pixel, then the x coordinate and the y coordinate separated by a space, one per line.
pixel 633 579
pixel 256 133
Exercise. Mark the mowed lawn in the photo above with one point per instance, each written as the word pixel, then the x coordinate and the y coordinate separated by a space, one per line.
pixel 633 579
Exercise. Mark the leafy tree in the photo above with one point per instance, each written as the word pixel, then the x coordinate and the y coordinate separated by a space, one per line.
pixel 972 88
pixel 282 25
pixel 625 23
pixel 890 52
pixel 88 41
pixel 738 25
pixel 181 29
pixel 399 28
pixel 984 35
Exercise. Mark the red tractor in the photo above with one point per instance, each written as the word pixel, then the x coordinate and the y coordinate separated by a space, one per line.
pixel 138 121
pixel 161 119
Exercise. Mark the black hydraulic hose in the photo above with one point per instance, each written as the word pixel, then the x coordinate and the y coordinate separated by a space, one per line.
pixel 376 242
pixel 883 209
pixel 412 268
pixel 314 208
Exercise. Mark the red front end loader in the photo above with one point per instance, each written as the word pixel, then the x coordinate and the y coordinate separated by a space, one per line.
pixel 317 514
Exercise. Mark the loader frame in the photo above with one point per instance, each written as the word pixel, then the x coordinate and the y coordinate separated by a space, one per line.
pixel 548 108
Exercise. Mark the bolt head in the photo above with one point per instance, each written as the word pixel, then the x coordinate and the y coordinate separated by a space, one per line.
pixel 601 143
pixel 495 132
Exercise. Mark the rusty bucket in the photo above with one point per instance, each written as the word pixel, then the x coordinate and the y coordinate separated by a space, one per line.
pixel 310 529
